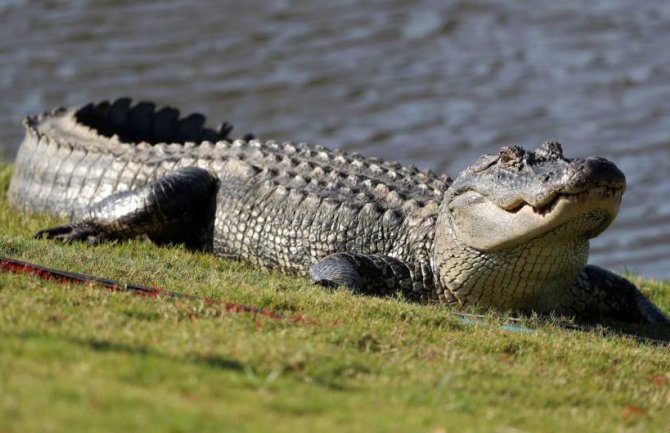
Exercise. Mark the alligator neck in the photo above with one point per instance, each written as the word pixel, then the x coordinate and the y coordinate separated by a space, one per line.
pixel 535 275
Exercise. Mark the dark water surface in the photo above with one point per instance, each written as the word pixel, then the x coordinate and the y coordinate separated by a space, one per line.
pixel 433 83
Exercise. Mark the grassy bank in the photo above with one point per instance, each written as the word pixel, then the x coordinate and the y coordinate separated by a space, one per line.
pixel 82 359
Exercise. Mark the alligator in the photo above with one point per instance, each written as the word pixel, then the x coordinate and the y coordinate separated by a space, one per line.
pixel 511 232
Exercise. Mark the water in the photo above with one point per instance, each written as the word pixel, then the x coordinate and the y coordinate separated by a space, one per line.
pixel 433 83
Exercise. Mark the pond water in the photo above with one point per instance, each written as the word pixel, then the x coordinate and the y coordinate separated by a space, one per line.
pixel 432 83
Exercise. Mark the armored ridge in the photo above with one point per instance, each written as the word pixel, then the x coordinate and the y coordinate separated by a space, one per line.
pixel 510 232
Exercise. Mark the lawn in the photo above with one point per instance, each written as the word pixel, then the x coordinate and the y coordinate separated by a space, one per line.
pixel 79 358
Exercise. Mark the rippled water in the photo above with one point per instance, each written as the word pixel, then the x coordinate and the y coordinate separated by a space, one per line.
pixel 433 83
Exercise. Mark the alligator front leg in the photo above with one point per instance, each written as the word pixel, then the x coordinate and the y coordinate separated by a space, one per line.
pixel 177 208
pixel 600 293
pixel 374 274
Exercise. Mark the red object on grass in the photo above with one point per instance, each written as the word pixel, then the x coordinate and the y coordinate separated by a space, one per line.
pixel 17 266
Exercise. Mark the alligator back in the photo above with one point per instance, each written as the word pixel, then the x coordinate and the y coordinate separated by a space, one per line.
pixel 71 158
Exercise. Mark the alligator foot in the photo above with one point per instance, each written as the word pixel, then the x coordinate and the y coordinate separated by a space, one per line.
pixel 373 274
pixel 336 270
pixel 600 293
pixel 177 208
pixel 70 233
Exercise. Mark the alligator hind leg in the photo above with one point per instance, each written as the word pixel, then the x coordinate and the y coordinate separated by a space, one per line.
pixel 374 274
pixel 177 208
pixel 598 292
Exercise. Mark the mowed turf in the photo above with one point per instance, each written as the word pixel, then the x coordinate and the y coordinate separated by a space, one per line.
pixel 79 358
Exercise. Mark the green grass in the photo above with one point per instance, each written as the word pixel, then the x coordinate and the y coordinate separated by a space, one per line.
pixel 82 359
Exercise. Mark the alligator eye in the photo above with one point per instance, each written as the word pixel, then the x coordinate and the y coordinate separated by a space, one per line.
pixel 511 154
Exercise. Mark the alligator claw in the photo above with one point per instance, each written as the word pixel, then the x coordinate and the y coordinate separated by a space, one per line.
pixel 69 233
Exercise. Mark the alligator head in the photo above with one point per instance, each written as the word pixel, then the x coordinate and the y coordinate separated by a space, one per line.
pixel 515 196
pixel 525 212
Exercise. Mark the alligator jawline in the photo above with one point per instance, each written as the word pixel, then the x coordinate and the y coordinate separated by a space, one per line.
pixel 601 192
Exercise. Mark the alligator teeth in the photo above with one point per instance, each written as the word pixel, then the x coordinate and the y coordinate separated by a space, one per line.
pixel 545 209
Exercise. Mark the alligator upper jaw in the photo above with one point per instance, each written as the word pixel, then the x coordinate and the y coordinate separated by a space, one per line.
pixel 483 225
pixel 548 204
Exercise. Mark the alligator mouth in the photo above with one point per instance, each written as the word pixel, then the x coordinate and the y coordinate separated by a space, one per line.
pixel 600 193
pixel 485 226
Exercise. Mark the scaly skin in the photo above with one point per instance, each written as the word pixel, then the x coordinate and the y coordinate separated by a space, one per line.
pixel 511 232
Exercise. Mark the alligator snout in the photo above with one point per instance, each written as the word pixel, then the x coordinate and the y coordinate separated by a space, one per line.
pixel 595 171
